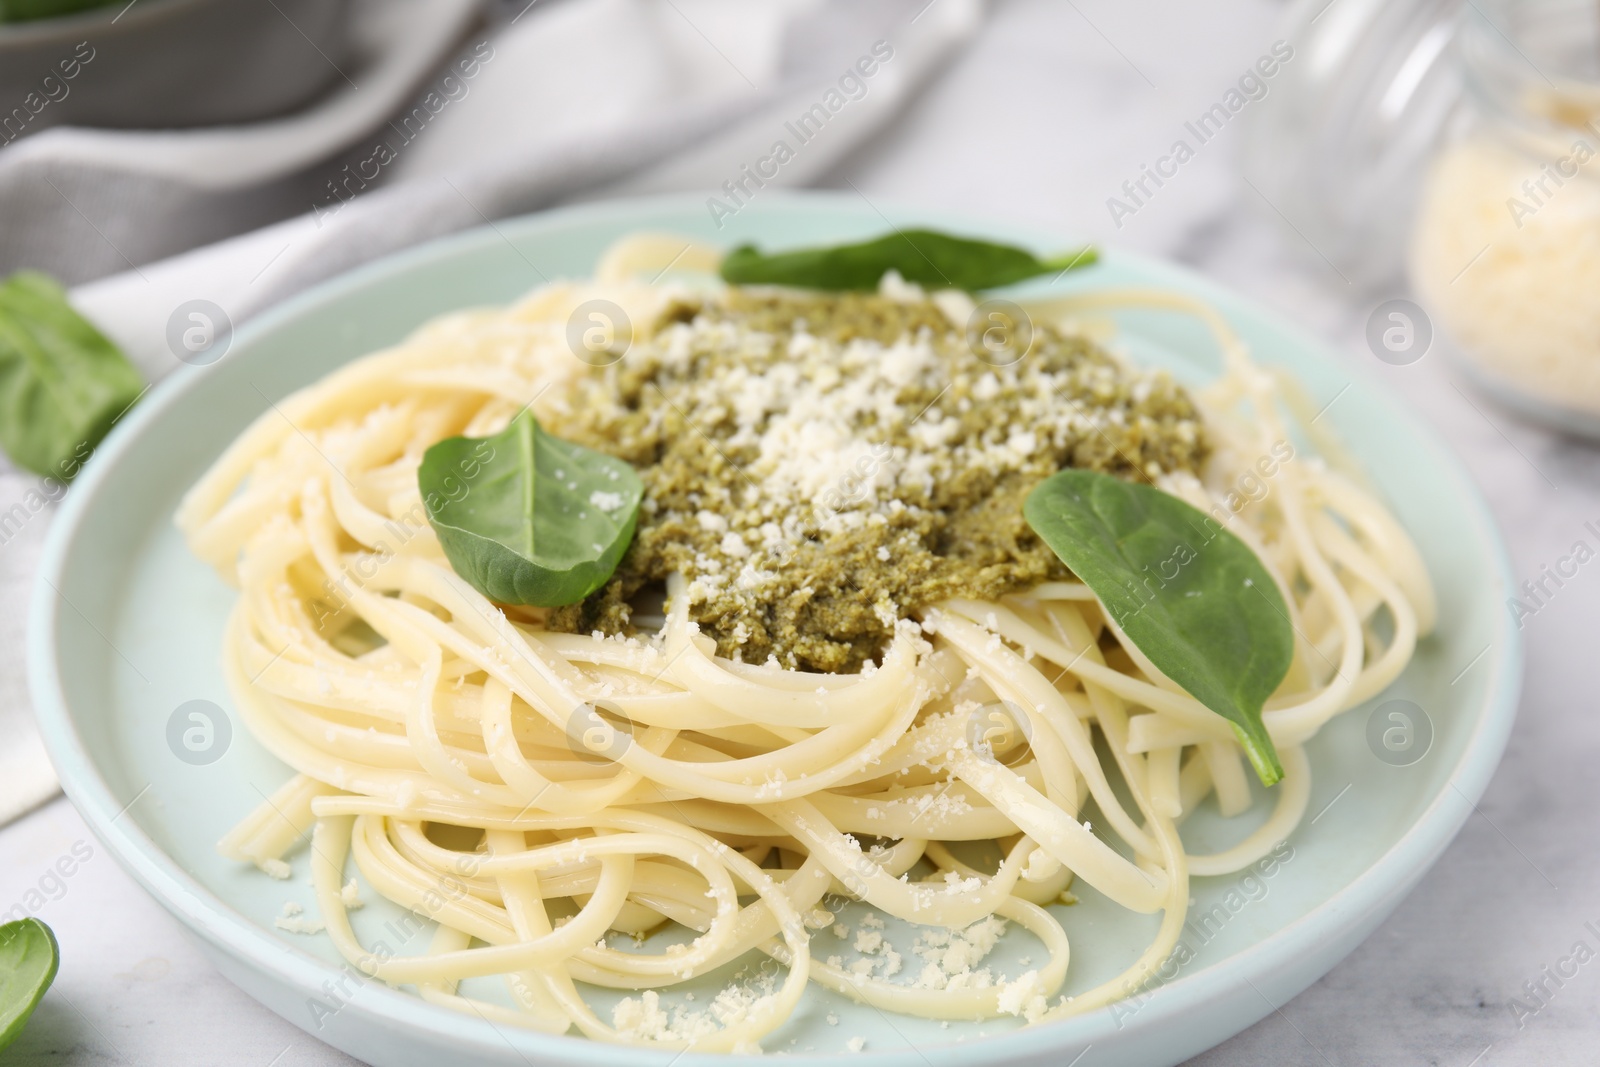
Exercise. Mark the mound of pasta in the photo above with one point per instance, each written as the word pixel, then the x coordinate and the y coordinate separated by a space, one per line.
pixel 618 665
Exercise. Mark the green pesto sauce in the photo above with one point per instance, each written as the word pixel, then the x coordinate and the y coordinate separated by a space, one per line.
pixel 819 466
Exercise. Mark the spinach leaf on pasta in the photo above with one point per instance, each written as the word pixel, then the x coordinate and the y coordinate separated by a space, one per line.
pixel 1192 596
pixel 929 258
pixel 527 518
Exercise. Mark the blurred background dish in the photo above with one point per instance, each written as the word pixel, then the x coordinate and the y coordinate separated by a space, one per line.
pixel 166 124
pixel 158 64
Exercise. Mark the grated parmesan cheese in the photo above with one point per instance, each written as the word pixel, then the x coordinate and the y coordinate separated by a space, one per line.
pixel 275 868
pixel 791 445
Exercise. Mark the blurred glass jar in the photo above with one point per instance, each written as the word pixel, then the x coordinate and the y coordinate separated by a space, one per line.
pixel 1336 148
pixel 1461 141
pixel 1506 249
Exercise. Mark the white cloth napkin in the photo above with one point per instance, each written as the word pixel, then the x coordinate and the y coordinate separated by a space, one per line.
pixel 590 98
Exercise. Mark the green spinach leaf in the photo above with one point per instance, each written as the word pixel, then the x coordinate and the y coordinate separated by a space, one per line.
pixel 27 10
pixel 931 259
pixel 528 518
pixel 29 957
pixel 1192 596
pixel 62 383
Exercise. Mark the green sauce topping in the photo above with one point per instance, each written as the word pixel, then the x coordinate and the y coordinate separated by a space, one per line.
pixel 817 466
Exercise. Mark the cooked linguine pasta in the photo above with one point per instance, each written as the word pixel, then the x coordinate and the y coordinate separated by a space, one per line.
pixel 533 792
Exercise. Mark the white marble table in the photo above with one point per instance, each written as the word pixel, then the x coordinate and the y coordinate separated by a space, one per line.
pixel 1050 110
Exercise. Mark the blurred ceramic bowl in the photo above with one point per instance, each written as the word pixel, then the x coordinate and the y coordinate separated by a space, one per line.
pixel 170 63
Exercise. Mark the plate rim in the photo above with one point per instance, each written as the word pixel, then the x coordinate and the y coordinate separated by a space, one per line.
pixel 1376 890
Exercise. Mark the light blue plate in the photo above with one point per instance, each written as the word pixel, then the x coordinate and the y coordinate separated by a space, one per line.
pixel 126 628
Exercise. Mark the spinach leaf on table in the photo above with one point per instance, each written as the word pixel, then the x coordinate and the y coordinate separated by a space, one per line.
pixel 62 383
pixel 29 958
